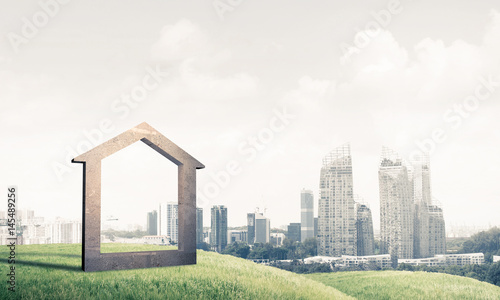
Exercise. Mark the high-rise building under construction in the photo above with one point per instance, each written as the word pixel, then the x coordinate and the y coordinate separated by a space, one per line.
pixel 336 207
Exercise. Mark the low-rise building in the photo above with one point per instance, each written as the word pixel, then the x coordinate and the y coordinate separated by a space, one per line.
pixel 239 236
pixel 447 260
pixel 382 260
pixel 277 238
pixel 464 259
pixel 438 260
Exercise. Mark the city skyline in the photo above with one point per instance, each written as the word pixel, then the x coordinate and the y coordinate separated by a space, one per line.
pixel 259 105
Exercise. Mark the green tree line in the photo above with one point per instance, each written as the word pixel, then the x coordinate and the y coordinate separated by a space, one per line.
pixel 487 242
pixel 289 250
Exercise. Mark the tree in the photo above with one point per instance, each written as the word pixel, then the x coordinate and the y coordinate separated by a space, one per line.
pixel 405 267
pixel 493 275
pixel 203 246
pixel 310 247
pixel 278 253
pixel 487 242
pixel 237 249
pixel 373 266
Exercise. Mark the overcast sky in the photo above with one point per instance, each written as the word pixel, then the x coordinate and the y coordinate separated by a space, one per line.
pixel 266 87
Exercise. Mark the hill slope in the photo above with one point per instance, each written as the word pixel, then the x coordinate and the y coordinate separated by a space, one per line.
pixel 407 285
pixel 54 272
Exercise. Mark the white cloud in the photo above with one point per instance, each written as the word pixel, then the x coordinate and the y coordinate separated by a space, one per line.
pixel 193 55
pixel 431 72
pixel 179 41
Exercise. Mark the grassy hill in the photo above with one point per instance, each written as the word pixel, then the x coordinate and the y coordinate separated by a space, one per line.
pixel 54 272
pixel 407 285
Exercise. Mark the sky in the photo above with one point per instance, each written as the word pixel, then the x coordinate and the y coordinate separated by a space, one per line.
pixel 258 92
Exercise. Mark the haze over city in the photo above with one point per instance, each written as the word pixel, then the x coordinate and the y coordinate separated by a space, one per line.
pixel 261 93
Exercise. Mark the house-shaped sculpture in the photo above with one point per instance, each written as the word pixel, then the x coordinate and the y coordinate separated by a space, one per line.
pixel 92 258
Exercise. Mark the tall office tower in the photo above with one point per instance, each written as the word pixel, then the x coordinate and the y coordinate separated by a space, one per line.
pixel 422 199
pixel 152 223
pixel 306 215
pixel 336 212
pixel 199 226
pixel 251 228
pixel 430 235
pixel 218 234
pixel 364 228
pixel 262 228
pixel 294 232
pixel 396 207
pixel 422 180
pixel 168 222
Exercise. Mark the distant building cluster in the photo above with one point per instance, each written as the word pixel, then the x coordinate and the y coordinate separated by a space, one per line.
pixel 35 230
pixel 411 224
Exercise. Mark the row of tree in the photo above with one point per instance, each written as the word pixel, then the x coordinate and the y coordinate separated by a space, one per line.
pixel 487 242
pixel 112 234
pixel 289 250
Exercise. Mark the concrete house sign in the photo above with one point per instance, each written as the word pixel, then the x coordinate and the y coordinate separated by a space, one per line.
pixel 92 258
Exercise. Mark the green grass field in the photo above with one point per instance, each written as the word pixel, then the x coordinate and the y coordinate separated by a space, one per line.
pixel 407 285
pixel 54 272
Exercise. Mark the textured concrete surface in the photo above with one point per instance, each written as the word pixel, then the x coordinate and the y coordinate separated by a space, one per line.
pixel 92 258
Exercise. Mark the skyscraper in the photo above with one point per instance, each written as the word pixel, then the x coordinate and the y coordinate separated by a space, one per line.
pixel 430 235
pixel 336 212
pixel 152 223
pixel 306 215
pixel 251 228
pixel 199 226
pixel 262 228
pixel 422 199
pixel 396 207
pixel 218 234
pixel 168 223
pixel 364 227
